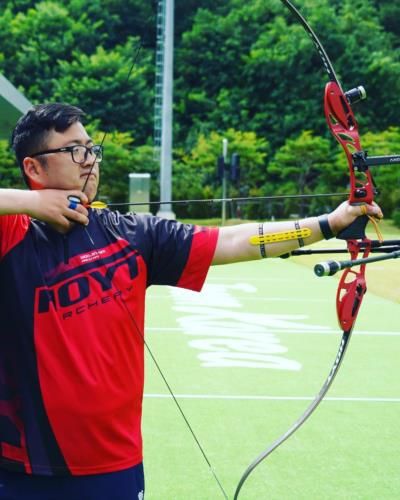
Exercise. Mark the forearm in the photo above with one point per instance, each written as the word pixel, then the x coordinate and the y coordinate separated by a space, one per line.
pixel 269 239
pixel 16 201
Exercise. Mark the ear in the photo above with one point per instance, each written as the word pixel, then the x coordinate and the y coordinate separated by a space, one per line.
pixel 34 171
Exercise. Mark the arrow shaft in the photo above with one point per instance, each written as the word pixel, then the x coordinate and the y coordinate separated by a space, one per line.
pixel 255 199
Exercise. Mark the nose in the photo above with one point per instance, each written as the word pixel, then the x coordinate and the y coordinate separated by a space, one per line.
pixel 90 157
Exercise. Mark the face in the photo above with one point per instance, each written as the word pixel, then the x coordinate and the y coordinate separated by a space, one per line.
pixel 60 171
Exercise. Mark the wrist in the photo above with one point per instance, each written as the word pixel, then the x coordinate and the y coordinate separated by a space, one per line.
pixel 15 201
pixel 30 201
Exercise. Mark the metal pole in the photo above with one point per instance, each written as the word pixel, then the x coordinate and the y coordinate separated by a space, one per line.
pixel 166 137
pixel 224 186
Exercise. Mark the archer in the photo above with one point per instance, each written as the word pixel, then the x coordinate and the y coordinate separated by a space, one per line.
pixel 73 284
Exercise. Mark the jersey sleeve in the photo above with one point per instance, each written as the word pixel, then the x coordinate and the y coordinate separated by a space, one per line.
pixel 13 229
pixel 176 254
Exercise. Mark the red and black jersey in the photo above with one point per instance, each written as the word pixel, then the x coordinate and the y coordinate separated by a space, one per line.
pixel 72 326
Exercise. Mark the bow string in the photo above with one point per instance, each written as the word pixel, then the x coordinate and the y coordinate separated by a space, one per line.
pixel 137 330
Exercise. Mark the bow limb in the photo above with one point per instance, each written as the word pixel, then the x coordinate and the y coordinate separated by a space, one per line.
pixel 306 414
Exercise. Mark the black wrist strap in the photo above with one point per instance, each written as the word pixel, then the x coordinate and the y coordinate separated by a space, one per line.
pixel 325 227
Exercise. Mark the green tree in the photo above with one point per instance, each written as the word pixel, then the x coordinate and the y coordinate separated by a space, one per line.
pixel 195 173
pixel 387 178
pixel 121 158
pixel 303 166
pixel 389 14
pixel 117 20
pixel 10 174
pixel 33 42
pixel 104 85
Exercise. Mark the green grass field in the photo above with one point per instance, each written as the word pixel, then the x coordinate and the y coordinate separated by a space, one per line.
pixel 244 358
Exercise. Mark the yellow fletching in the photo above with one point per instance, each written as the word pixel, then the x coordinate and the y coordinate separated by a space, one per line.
pixel 98 204
pixel 283 236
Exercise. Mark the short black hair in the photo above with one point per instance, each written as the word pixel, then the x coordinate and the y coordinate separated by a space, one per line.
pixel 32 129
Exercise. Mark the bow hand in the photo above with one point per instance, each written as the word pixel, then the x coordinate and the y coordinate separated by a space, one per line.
pixel 348 221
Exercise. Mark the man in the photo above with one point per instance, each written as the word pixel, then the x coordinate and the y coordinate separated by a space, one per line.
pixel 72 292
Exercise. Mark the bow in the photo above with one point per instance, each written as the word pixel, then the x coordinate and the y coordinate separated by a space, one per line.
pixel 352 286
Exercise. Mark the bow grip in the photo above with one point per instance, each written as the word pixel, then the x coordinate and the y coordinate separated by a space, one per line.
pixel 356 230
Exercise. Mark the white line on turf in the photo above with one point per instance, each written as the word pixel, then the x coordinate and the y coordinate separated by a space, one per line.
pixel 283 332
pixel 272 398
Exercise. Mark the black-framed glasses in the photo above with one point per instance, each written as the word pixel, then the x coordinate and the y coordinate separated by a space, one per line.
pixel 79 152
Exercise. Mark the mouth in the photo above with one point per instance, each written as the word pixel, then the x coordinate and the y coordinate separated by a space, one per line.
pixel 89 175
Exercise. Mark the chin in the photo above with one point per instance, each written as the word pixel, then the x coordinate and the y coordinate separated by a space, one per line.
pixel 91 194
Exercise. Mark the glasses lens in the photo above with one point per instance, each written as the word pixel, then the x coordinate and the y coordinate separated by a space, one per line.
pixel 98 152
pixel 79 154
